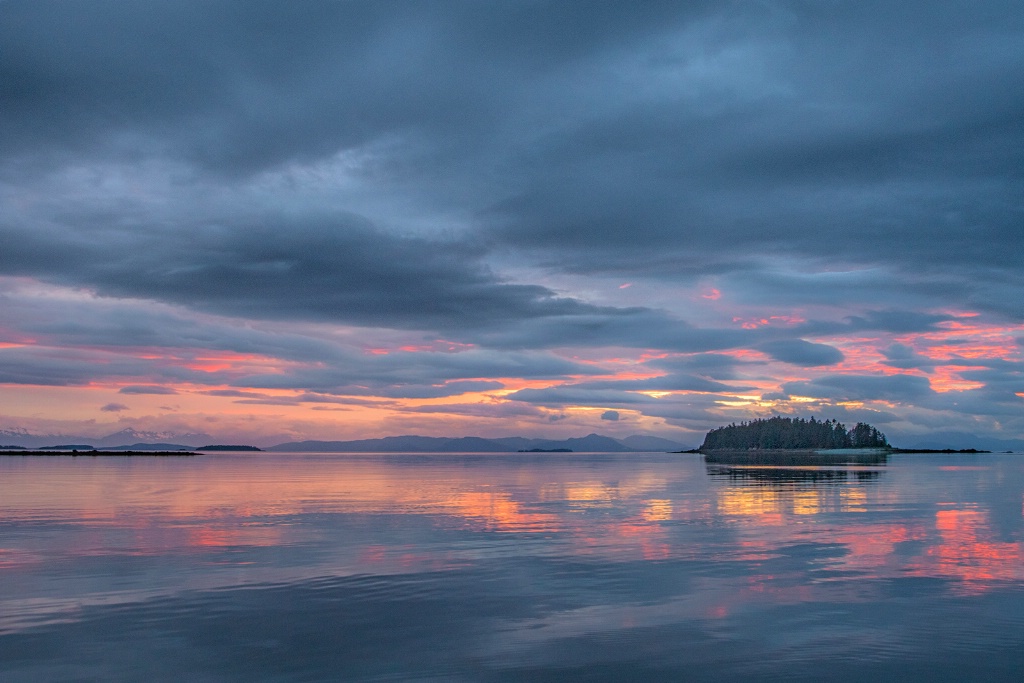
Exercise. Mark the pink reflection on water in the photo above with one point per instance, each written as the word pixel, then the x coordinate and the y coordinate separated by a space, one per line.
pixel 615 513
pixel 969 553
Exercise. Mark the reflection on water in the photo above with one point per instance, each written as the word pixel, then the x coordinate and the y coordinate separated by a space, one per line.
pixel 784 475
pixel 509 567
pixel 760 489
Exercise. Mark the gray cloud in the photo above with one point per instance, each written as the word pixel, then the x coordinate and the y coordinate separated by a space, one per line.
pixel 496 411
pixel 136 389
pixel 337 269
pixel 65 367
pixel 114 408
pixel 242 177
pixel 612 415
pixel 802 353
pixel 234 393
pixel 671 382
pixel 432 391
pixel 573 395
pixel 679 130
pixel 905 358
pixel 907 388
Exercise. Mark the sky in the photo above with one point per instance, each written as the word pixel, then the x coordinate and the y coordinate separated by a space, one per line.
pixel 271 221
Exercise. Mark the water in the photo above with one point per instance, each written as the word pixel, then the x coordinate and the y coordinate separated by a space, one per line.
pixel 589 567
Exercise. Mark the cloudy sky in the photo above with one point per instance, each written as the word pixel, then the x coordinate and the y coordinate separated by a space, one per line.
pixel 268 221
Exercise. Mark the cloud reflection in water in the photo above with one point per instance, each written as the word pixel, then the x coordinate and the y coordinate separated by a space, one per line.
pixel 492 567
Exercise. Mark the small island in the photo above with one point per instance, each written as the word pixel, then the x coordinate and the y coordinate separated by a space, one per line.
pixel 790 433
pixel 795 441
pixel 225 447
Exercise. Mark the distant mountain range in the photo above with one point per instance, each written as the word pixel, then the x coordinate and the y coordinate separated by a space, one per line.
pixel 475 444
pixel 132 439
pixel 126 439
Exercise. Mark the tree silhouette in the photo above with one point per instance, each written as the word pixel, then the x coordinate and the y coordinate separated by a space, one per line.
pixel 787 432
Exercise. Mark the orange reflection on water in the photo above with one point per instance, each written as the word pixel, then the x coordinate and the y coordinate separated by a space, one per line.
pixel 658 511
pixel 589 495
pixel 736 500
pixel 497 511
pixel 807 502
pixel 853 499
pixel 767 503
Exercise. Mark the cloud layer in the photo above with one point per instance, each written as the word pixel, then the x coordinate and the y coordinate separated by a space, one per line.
pixel 489 218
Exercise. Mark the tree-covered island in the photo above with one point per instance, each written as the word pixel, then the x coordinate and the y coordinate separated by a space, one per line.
pixel 789 433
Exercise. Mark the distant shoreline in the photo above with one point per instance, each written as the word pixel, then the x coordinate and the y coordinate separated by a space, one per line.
pixel 937 450
pixel 830 451
pixel 93 454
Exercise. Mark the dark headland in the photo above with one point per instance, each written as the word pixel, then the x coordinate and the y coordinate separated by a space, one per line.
pixel 137 449
pixel 94 453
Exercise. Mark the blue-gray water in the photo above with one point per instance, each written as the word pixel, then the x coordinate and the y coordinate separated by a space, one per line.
pixel 289 567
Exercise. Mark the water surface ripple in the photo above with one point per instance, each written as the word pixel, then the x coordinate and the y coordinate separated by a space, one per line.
pixel 469 567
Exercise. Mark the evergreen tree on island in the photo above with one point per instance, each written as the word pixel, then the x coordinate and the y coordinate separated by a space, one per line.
pixel 793 433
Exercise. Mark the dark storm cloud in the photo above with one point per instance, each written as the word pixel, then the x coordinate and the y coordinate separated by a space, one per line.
pixel 240 87
pixel 335 269
pixel 338 269
pixel 668 140
pixel 802 353
pixel 859 145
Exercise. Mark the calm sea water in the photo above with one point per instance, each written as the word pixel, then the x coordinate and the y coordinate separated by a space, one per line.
pixel 297 567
